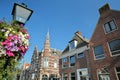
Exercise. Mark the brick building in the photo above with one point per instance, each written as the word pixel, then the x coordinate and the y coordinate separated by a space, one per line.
pixel 45 64
pixel 98 59
pixel 74 60
pixel 105 46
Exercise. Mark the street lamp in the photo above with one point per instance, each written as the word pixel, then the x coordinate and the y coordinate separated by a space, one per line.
pixel 21 13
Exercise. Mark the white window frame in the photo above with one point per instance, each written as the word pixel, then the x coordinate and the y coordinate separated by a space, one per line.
pixel 66 60
pixel 70 60
pixel 94 53
pixel 70 75
pixel 63 76
pixel 117 73
pixel 110 50
pixel 75 44
pixel 111 30
pixel 82 69
pixel 99 73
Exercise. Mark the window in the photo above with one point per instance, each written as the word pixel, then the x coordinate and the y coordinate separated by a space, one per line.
pixel 44 77
pixel 80 55
pixel 55 64
pixel 115 47
pixel 72 76
pixel 65 76
pixel 64 59
pixel 45 62
pixel 103 74
pixel 73 44
pixel 110 26
pixel 64 62
pixel 33 75
pixel 82 74
pixel 98 51
pixel 118 72
pixel 72 60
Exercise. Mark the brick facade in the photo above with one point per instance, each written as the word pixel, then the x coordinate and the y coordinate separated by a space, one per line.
pixel 108 63
pixel 97 59
pixel 80 53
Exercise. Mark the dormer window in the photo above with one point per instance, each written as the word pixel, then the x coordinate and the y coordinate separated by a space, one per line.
pixel 72 44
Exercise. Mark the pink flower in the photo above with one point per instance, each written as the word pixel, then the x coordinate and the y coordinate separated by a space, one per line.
pixel 9 38
pixel 3 30
pixel 21 25
pixel 28 37
pixel 9 53
pixel 24 31
pixel 10 43
pixel 5 42
pixel 22 48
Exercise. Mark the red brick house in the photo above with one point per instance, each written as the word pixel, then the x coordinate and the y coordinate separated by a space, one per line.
pixel 105 46
pixel 45 64
pixel 74 58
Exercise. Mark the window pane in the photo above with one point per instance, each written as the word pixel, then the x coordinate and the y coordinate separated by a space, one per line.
pixel 72 45
pixel 72 59
pixel 83 72
pixel 118 69
pixel 45 62
pixel 65 76
pixel 80 55
pixel 104 76
pixel 98 51
pixel 83 77
pixel 72 76
pixel 119 76
pixel 107 28
pixel 112 25
pixel 55 64
pixel 64 59
pixel 115 45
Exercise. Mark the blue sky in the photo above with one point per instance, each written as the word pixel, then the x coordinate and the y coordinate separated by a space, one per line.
pixel 62 17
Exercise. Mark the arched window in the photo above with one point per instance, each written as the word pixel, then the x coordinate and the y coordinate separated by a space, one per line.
pixel 44 77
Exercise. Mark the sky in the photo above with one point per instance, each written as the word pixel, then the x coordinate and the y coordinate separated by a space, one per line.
pixel 61 17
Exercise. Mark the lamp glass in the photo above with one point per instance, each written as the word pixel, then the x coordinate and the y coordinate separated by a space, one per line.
pixel 22 14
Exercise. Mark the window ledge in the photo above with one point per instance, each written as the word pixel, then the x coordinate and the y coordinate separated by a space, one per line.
pixel 99 58
pixel 111 31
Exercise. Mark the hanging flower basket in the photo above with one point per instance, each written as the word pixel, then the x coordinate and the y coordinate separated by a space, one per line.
pixel 14 40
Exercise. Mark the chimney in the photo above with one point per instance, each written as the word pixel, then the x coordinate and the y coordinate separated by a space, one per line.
pixel 78 32
pixel 104 9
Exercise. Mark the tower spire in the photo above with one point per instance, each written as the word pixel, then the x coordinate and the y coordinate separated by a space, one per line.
pixel 47 41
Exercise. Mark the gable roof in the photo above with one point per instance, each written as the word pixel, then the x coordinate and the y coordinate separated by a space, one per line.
pixel 81 41
pixel 104 17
